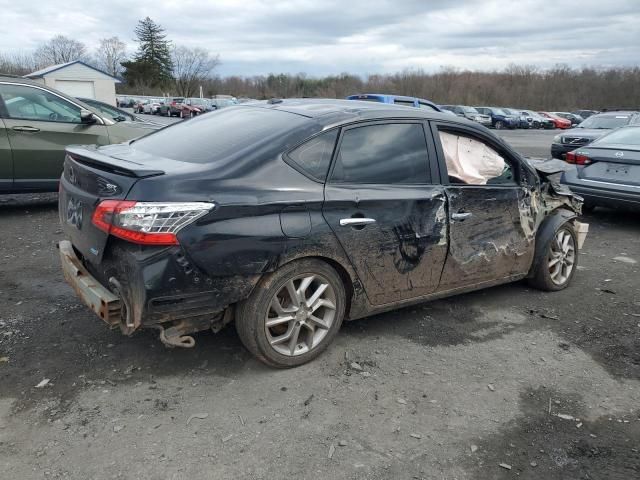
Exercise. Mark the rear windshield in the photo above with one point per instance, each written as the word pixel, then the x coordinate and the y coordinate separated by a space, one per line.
pixel 218 134
pixel 605 121
pixel 623 136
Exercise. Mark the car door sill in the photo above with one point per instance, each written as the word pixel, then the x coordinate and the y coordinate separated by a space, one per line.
pixel 376 309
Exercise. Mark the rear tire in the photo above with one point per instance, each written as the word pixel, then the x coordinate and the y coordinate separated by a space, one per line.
pixel 303 322
pixel 559 263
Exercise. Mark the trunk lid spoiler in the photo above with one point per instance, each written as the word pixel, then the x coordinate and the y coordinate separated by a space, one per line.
pixel 92 156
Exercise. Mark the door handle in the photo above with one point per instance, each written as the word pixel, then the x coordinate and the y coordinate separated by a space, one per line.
pixel 356 221
pixel 461 215
pixel 26 129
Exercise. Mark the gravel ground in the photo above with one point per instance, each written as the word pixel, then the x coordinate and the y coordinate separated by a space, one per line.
pixel 546 385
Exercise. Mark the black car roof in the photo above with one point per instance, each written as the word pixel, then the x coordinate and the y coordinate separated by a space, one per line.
pixel 331 111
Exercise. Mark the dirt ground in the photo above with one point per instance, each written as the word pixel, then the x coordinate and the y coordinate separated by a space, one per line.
pixel 545 384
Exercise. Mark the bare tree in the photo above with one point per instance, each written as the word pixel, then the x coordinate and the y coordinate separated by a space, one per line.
pixel 60 49
pixel 191 68
pixel 110 54
pixel 18 63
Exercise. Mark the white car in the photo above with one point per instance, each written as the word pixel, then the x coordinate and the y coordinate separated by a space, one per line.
pixel 151 107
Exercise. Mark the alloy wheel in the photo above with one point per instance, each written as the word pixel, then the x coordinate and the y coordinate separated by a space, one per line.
pixel 562 257
pixel 300 315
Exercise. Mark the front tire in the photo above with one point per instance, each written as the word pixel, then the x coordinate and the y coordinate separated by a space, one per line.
pixel 557 267
pixel 499 125
pixel 293 314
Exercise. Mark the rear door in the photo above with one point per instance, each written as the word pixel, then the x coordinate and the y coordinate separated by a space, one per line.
pixel 39 125
pixel 385 209
pixel 489 238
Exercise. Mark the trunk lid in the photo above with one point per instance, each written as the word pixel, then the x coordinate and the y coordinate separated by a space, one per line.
pixel 612 165
pixel 89 177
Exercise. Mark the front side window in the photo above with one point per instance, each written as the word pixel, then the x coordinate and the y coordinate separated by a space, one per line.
pixel 383 154
pixel 314 156
pixel 471 161
pixel 29 103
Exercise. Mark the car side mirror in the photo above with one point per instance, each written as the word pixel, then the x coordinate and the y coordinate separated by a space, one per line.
pixel 87 117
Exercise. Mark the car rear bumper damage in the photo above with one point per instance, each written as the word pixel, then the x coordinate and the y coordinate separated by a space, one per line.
pixel 157 288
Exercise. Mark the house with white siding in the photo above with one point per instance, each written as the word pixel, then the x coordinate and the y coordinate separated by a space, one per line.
pixel 77 79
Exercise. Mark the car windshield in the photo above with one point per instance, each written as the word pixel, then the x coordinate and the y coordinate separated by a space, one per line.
pixel 469 110
pixel 605 121
pixel 622 136
pixel 498 111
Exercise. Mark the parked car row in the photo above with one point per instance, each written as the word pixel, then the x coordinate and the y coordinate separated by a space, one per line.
pixel 591 129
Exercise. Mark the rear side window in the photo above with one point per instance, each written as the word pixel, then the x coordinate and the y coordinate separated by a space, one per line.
pixel 314 156
pixel 219 134
pixel 389 153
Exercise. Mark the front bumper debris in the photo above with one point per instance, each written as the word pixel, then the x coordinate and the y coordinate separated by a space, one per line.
pixel 103 302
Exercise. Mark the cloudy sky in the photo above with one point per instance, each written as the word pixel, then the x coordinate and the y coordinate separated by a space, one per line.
pixel 322 37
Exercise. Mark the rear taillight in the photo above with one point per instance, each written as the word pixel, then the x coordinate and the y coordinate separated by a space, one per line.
pixel 577 158
pixel 147 223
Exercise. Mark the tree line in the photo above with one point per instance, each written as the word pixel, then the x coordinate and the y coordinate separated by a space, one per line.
pixel 558 88
pixel 159 67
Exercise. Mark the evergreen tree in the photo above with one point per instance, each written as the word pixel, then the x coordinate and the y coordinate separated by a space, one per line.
pixel 152 64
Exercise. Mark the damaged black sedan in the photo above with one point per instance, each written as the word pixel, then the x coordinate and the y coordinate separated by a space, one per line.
pixel 291 216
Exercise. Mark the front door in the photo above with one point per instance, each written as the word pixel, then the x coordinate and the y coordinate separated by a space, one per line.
pixel 39 125
pixel 490 235
pixel 385 210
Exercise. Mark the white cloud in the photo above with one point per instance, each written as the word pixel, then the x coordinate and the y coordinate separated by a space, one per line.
pixel 359 36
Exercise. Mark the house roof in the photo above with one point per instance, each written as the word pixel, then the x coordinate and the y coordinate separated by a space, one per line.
pixel 45 71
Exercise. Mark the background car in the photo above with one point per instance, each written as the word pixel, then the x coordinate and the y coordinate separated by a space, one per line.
pixel 593 127
pixel 572 117
pixel 499 118
pixel 202 104
pixel 178 107
pixel 39 123
pixel 558 122
pixel 152 107
pixel 114 113
pixel 538 121
pixel 469 113
pixel 607 170
pixel 521 118
pixel 267 215
pixel 396 100
pixel 585 113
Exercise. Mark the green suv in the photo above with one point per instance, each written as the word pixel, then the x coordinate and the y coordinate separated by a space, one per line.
pixel 37 123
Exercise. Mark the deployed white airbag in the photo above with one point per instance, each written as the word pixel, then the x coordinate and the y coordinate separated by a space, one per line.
pixel 469 160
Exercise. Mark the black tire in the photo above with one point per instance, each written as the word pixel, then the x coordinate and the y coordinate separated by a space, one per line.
pixel 252 312
pixel 499 125
pixel 541 278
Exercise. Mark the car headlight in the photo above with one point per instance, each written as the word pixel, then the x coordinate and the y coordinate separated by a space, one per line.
pixel 557 139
